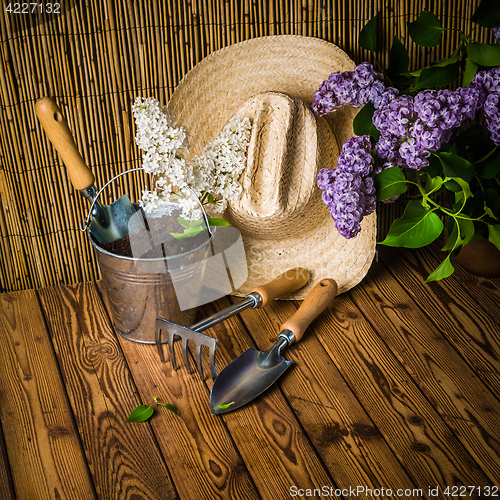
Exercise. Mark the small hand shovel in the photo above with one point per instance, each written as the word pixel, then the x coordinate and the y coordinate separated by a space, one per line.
pixel 109 222
pixel 251 373
pixel 288 282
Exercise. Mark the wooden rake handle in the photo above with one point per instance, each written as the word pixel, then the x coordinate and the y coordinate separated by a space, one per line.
pixel 285 283
pixel 57 130
pixel 314 304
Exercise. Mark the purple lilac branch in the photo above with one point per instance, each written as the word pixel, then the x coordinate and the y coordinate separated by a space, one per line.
pixel 411 128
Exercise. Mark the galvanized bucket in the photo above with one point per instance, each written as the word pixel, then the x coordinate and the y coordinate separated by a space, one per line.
pixel 140 289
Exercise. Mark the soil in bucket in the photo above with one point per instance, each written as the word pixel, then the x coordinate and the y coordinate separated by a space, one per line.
pixel 138 290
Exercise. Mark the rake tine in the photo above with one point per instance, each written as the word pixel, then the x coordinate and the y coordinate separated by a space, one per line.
pixel 185 354
pixel 171 350
pixel 212 351
pixel 159 322
pixel 197 356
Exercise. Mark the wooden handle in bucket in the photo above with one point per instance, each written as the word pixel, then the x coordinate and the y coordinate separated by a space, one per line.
pixel 57 130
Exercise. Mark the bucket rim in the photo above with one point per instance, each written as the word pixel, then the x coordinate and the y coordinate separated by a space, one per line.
pixel 156 259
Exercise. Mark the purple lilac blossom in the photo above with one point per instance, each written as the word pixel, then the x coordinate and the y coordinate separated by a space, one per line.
pixel 492 115
pixel 354 88
pixel 348 190
pixel 496 32
pixel 487 82
pixel 411 128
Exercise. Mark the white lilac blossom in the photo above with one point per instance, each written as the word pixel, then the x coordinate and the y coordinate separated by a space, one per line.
pixel 216 172
pixel 348 190
pixel 222 162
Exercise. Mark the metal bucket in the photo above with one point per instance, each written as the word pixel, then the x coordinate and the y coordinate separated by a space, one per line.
pixel 139 290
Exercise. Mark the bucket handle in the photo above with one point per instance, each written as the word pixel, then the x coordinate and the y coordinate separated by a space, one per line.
pixel 88 219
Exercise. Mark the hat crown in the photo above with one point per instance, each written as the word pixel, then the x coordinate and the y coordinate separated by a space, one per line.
pixel 288 146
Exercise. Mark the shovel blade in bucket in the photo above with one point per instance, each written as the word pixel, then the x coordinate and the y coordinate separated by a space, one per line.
pixel 111 222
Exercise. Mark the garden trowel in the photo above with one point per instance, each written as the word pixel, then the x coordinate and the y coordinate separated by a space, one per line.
pixel 109 222
pixel 251 373
pixel 286 283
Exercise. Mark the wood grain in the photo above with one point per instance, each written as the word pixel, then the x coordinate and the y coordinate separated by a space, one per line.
pixel 343 434
pixel 201 455
pixel 266 431
pixel 6 486
pixel 435 366
pixel 467 322
pixel 124 459
pixel 45 455
pixel 413 429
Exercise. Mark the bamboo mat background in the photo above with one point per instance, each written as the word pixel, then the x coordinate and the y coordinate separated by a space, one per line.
pixel 95 57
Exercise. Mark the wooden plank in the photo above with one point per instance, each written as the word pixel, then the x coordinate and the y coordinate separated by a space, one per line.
pixel 42 442
pixel 484 291
pixel 343 434
pixel 460 318
pixel 200 453
pixel 267 432
pixel 124 458
pixel 415 432
pixel 6 486
pixel 462 400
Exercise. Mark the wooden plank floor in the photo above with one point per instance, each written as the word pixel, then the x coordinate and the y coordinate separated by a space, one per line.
pixel 394 393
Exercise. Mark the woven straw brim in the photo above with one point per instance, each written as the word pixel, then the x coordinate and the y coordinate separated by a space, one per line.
pixel 212 92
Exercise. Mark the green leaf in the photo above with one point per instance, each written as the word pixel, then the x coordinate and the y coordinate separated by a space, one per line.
pixel 487 13
pixel 464 186
pixel 455 166
pixel 452 185
pixel 437 76
pixel 225 406
pixel 489 166
pixel 467 229
pixel 462 233
pixel 363 124
pixel 140 413
pixel 183 222
pixel 390 182
pixel 190 232
pixel 218 222
pixel 470 71
pixel 484 54
pixel 367 37
pixel 492 202
pixel 399 60
pixel 435 166
pixel 418 227
pixel 494 234
pixel 170 407
pixel 440 64
pixel 426 31
pixel 432 184
pixel 453 237
pixel 444 270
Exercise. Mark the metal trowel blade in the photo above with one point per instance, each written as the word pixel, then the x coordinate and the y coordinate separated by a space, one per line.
pixel 245 378
pixel 111 223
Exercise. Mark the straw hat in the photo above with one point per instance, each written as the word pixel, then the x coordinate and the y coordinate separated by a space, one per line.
pixel 280 214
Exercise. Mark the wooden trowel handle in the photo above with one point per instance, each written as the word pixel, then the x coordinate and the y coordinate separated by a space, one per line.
pixel 285 283
pixel 314 304
pixel 57 130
